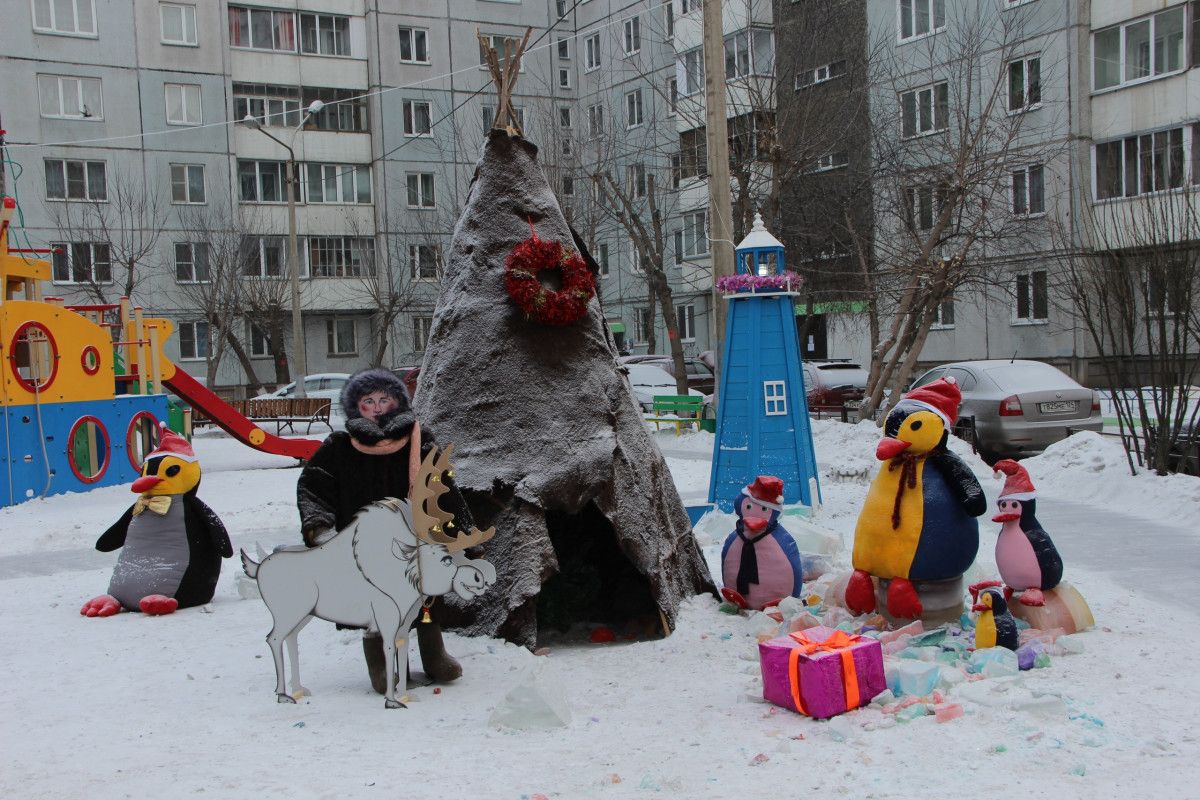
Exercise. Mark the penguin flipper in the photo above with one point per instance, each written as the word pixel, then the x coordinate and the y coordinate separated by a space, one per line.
pixel 1047 555
pixel 114 537
pixel 214 529
pixel 960 480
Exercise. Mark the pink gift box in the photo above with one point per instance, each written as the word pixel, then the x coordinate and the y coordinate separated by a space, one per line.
pixel 821 672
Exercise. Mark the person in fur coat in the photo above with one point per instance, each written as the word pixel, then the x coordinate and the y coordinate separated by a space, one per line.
pixel 367 462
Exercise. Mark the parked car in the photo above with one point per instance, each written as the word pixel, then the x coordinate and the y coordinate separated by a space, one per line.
pixel 699 376
pixel 325 384
pixel 1017 408
pixel 649 380
pixel 834 384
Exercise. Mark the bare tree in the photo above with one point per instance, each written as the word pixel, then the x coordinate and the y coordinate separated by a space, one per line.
pixel 266 296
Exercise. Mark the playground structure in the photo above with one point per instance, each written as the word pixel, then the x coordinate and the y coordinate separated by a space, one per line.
pixel 82 387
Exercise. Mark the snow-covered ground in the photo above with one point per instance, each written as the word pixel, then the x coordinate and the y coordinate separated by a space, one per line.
pixel 183 705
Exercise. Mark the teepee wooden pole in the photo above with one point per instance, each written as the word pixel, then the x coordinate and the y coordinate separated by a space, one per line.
pixel 505 79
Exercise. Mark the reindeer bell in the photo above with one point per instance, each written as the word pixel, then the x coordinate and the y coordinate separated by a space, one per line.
pixel 425 618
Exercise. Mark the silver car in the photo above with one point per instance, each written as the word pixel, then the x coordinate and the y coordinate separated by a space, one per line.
pixel 1018 408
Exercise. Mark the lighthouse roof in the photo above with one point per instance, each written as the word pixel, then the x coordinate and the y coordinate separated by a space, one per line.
pixel 759 237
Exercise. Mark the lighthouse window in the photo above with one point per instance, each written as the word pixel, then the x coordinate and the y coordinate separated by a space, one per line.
pixel 775 396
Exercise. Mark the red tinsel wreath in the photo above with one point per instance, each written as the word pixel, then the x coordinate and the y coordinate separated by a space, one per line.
pixel 539 303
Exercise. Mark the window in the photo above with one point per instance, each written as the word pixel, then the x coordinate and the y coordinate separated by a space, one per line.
pixel 1168 289
pixel 345 109
pixel 831 161
pixel 921 17
pixel 668 20
pixel 1032 305
pixel 686 320
pixel 924 204
pixel 633 35
pixel 568 186
pixel 324 35
pixel 262 181
pixel 635 180
pixel 339 337
pixel 68 97
pixel 1024 84
pixel 81 262
pixel 424 261
pixel 595 121
pixel 187 183
pixel 564 78
pixel 178 23
pixel 417 118
pixel 1150 162
pixel 421 328
pixel 693 154
pixel 602 257
pixel 489 116
pixel 564 116
pixel 775 398
pixel 672 96
pixel 633 109
pixel 498 42
pixel 676 170
pixel 338 183
pixel 689 71
pixel 749 135
pixel 643 324
pixel 420 190
pixel 193 341
pixel 1138 50
pixel 591 52
pixel 821 74
pixel 925 110
pixel 944 318
pixel 262 256
pixel 270 105
pixel 260 343
pixel 692 240
pixel 565 146
pixel 183 104
pixel 191 262
pixel 76 180
pixel 564 48
pixel 1029 191
pixel 261 29
pixel 73 17
pixel 689 5
pixel 414 46
pixel 749 52
pixel 341 256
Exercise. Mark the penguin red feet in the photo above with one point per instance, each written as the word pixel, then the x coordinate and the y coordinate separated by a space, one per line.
pixel 735 597
pixel 902 599
pixel 1032 597
pixel 860 593
pixel 103 606
pixel 158 604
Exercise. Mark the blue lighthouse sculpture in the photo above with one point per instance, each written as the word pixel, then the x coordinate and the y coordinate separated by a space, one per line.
pixel 762 415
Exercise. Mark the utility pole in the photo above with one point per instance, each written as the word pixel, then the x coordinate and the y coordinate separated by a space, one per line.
pixel 720 206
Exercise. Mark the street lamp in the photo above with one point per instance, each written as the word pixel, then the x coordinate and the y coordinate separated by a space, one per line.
pixel 298 355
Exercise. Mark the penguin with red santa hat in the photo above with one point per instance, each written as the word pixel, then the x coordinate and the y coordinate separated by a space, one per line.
pixel 172 543
pixel 1027 559
pixel 760 563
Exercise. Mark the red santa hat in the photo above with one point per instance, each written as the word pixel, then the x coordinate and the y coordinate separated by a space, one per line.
pixel 768 490
pixel 171 443
pixel 941 397
pixel 1017 485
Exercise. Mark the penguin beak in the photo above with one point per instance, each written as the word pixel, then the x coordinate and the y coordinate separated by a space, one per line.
pixel 1006 516
pixel 145 483
pixel 980 607
pixel 889 448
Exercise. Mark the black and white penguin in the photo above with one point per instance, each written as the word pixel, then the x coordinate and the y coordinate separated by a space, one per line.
pixel 172 542
pixel 995 626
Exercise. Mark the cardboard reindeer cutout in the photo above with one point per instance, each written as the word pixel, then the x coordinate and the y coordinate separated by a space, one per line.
pixel 376 573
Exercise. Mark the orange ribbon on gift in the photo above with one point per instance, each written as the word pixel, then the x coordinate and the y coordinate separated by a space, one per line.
pixel 837 642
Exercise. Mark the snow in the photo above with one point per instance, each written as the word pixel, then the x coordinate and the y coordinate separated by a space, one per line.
pixel 183 705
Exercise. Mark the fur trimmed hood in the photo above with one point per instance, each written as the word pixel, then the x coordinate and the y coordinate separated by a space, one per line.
pixel 392 425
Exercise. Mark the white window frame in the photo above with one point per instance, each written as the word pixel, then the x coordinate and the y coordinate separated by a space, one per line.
pixel 67 252
pixel 775 398
pixel 919 94
pixel 1185 179
pixel 635 115
pixel 197 353
pixel 636 181
pixel 409 114
pixel 1024 64
pixel 498 38
pixel 273 48
pixel 831 161
pixel 258 184
pixel 591 49
pixel 564 77
pixel 422 327
pixel 668 8
pixel 258 340
pixel 59 85
pixel 417 256
pixel 187 13
pixel 1030 297
pixel 566 117
pixel 1022 194
pixel 693 234
pixel 672 92
pixel 352 257
pixel 632 35
pixel 685 319
pixel 939 320
pixel 341 38
pixel 563 48
pixel 595 121
pixel 56 27
pixel 643 324
pixel 602 257
pixel 333 336
pixel 930 7
pixel 421 185
pixel 260 245
pixel 340 174
pixel 825 73
pixel 689 72
pixel 185 104
pixel 688 6
pixel 88 189
pixel 181 175
pixel 1153 43
pixel 414 35
pixel 192 248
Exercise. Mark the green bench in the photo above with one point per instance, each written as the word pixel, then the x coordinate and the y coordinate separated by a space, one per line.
pixel 685 409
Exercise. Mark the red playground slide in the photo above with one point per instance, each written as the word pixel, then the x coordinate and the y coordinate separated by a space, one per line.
pixel 197 395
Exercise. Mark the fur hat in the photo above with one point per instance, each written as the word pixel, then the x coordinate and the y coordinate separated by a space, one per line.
pixel 365 382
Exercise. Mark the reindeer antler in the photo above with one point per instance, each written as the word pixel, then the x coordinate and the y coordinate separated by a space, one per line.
pixel 428 516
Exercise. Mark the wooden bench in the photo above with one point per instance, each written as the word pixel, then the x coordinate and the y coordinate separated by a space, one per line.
pixel 676 405
pixel 285 412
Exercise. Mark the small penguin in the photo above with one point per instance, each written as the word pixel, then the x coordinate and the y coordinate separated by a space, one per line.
pixel 1027 559
pixel 760 563
pixel 172 542
pixel 918 521
pixel 995 626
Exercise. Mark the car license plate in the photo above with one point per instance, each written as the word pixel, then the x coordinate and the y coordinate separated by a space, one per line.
pixel 853 404
pixel 1057 407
